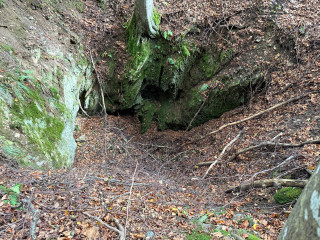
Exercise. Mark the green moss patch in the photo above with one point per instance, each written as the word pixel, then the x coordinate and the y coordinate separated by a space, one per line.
pixel 287 194
pixel 198 236
pixel 32 114
pixel 6 47
pixel 253 237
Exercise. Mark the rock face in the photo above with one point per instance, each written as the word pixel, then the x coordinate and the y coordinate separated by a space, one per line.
pixel 42 73
pixel 179 83
pixel 304 221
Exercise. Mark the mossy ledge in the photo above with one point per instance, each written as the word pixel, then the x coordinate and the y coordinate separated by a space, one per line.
pixel 164 78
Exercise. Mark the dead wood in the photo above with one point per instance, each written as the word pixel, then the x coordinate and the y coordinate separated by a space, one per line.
pixel 249 118
pixel 120 229
pixel 223 152
pixel 261 145
pixel 268 183
pixel 274 145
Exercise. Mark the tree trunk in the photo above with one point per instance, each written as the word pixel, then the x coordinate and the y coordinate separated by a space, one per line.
pixel 304 221
pixel 144 16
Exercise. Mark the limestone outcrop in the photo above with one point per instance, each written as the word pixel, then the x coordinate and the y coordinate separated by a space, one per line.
pixel 42 73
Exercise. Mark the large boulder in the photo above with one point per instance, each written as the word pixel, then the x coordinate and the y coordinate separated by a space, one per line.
pixel 43 71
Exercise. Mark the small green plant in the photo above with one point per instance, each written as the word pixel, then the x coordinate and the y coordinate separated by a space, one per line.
pixel 253 237
pixel 79 5
pixel 26 74
pixel 1 3
pixel 13 194
pixel 171 61
pixel 203 218
pixel 9 149
pixel 4 46
pixel 185 51
pixel 302 30
pixel 102 4
pixel 167 34
pixel 195 235
pixel 157 47
pixel 204 87
pixel 54 93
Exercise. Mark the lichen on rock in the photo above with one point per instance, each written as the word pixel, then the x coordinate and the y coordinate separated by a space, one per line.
pixel 40 86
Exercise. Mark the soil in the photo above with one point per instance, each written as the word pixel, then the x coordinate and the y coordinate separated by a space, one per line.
pixel 150 182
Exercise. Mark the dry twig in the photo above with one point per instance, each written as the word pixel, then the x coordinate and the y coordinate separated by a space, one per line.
pixel 248 118
pixel 250 181
pixel 129 200
pixel 222 153
pixel 120 230
pixel 272 144
pixel 268 183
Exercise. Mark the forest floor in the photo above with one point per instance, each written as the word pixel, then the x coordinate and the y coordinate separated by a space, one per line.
pixel 150 182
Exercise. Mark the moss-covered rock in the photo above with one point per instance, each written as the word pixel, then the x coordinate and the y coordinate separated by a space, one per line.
pixel 170 73
pixel 287 194
pixel 40 89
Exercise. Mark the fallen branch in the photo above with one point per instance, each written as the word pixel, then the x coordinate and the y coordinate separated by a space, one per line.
pixel 35 216
pixel 33 225
pixel 235 236
pixel 129 200
pixel 119 182
pixel 116 197
pixel 272 144
pixel 222 153
pixel 268 183
pixel 289 171
pixel 287 160
pixel 249 118
pixel 194 117
pixel 120 230
pixel 201 164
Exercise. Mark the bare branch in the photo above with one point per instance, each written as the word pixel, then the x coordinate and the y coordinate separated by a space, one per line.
pixel 268 183
pixel 119 230
pixel 129 200
pixel 194 117
pixel 249 118
pixel 222 153
pixel 272 144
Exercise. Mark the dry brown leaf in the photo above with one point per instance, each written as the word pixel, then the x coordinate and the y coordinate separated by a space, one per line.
pixel 91 233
